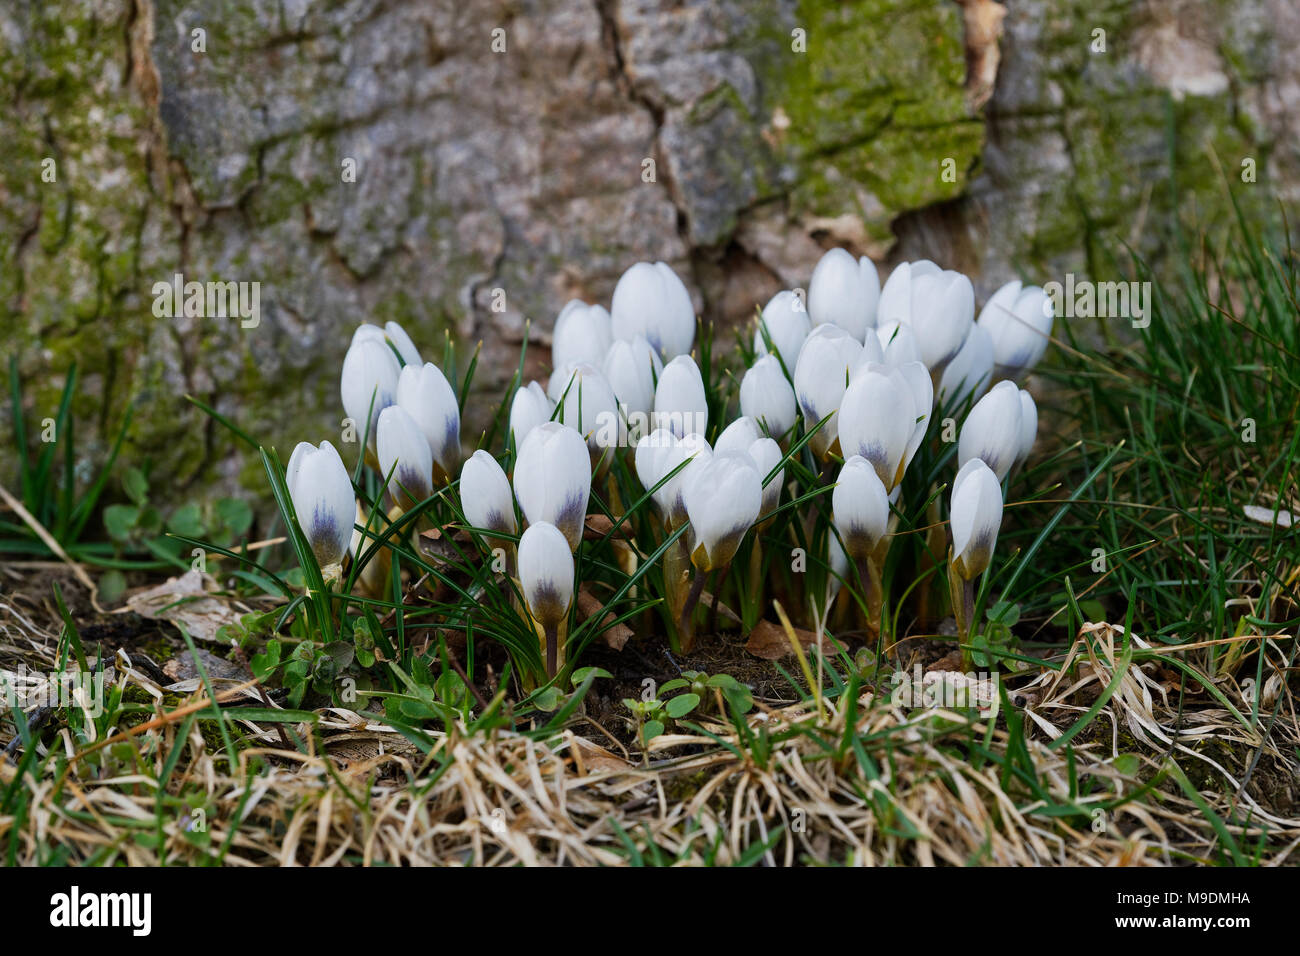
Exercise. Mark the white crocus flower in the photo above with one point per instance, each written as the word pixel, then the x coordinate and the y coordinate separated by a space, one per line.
pixel 922 385
pixel 369 383
pixel 785 319
pixel 392 335
pixel 767 455
pixel 942 314
pixel 583 333
pixel 844 292
pixel 820 377
pixel 767 397
pixel 658 457
pixel 738 436
pixel 553 479
pixel 680 403
pixel 860 507
pixel 632 368
pixel 404 456
pixel 322 498
pixel 723 499
pixel 896 297
pixel 976 516
pixel 838 568
pixel 877 418
pixel 1018 318
pixel 485 496
pixel 1028 424
pixel 546 580
pixel 650 300
pixel 424 393
pixel 531 407
pixel 587 403
pixel 992 430
pixel 657 454
pixel 897 344
pixel 971 372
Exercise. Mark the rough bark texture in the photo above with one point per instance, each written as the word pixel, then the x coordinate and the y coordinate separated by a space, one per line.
pixel 492 186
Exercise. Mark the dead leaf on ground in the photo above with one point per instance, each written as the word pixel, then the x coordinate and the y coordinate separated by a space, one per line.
pixel 597 527
pixel 181 667
pixel 615 636
pixel 769 641
pixel 184 601
pixel 593 757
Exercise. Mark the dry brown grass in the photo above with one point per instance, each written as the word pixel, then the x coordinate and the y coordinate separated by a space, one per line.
pixel 364 794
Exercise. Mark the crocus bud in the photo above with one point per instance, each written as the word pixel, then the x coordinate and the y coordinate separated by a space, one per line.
pixel 877 418
pixel 650 300
pixel 785 320
pixel 322 498
pixel 767 456
pixel 485 497
pixel 970 373
pixel 896 297
pixel 738 436
pixel 695 451
pixel 402 342
pixel 976 515
pixel 392 335
pixel 1028 424
pixel 587 403
pixel 1018 319
pixel 767 397
pixel 844 292
pixel 860 506
pixel 369 383
pixel 553 479
pixel 425 394
pixel 837 563
pixel 942 313
pixel 582 334
pixel 657 454
pixel 546 573
pixel 530 408
pixel 897 344
pixel 922 385
pixel 992 430
pixel 404 456
pixel 632 368
pixel 680 404
pixel 723 500
pixel 820 377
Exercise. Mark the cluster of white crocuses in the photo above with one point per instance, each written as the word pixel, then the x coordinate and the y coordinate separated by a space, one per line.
pixel 859 366
pixel 626 377
pixel 869 363
pixel 621 372
pixel 410 419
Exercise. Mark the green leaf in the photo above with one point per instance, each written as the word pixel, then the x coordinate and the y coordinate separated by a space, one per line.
pixel 651 730
pixel 1128 764
pixel 548 699
pixel 186 520
pixel 581 673
pixel 235 514
pixel 111 586
pixel 120 520
pixel 136 486
pixel 681 705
